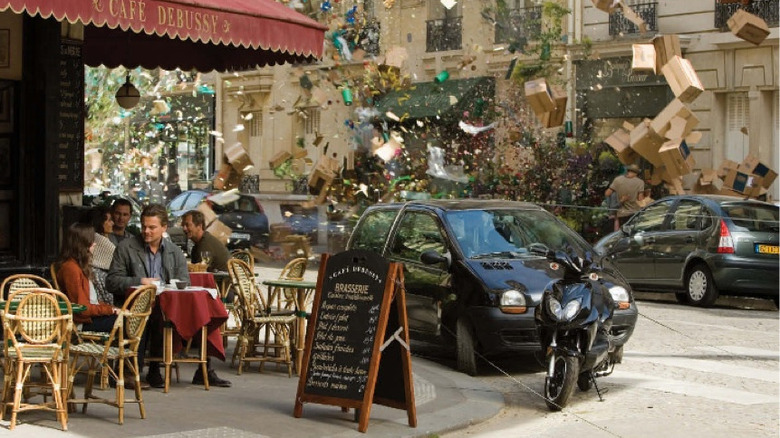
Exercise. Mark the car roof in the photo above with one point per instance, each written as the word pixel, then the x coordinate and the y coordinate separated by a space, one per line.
pixel 464 204
pixel 720 199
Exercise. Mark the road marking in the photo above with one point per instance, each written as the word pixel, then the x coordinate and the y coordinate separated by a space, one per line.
pixel 734 396
pixel 707 366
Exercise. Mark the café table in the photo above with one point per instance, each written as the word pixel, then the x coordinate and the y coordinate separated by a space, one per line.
pixel 188 312
pixel 303 290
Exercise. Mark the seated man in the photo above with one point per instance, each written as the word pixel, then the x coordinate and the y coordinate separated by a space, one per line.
pixel 193 224
pixel 144 260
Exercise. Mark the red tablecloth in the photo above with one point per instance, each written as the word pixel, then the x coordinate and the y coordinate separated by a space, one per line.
pixel 203 279
pixel 189 311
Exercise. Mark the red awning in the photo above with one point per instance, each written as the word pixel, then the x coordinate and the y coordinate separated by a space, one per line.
pixel 201 34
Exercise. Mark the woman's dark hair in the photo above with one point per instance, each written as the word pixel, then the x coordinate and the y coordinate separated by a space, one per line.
pixel 96 216
pixel 75 245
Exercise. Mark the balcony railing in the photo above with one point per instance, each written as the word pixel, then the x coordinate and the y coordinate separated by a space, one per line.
pixel 520 24
pixel 444 34
pixel 620 25
pixel 766 9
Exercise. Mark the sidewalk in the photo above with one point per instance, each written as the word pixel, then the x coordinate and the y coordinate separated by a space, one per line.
pixel 261 405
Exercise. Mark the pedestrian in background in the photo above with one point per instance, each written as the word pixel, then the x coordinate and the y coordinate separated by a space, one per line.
pixel 630 190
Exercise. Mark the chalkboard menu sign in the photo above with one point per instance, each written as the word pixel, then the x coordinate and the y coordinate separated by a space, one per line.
pixel 70 141
pixel 357 342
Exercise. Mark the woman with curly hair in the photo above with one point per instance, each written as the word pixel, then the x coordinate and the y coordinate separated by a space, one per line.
pixel 75 276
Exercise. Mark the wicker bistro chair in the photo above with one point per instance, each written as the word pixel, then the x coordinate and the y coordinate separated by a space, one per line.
pixel 245 256
pixel 256 319
pixel 15 282
pixel 53 271
pixel 293 270
pixel 37 332
pixel 116 353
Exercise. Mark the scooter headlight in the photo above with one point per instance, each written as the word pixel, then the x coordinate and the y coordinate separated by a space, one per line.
pixel 620 295
pixel 571 309
pixel 554 306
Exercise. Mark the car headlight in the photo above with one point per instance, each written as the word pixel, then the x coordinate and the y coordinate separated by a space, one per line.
pixel 620 295
pixel 513 301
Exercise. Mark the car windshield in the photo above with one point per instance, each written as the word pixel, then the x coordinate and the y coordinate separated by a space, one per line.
pixel 244 204
pixel 509 233
pixel 753 217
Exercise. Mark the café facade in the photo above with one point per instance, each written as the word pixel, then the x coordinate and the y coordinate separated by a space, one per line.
pixel 44 46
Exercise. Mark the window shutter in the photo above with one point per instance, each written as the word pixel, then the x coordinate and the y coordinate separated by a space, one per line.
pixel 737 121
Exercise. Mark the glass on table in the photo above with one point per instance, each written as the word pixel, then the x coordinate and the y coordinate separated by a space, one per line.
pixel 205 257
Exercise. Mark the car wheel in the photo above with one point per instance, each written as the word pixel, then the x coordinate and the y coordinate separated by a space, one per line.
pixel 700 286
pixel 467 359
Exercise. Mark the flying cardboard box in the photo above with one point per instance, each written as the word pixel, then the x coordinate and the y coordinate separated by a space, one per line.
pixel 227 178
pixel 238 158
pixel 737 181
pixel 749 27
pixel 682 79
pixel 321 176
pixel 666 46
pixel 220 231
pixel 555 117
pixel 644 58
pixel 725 166
pixel 279 158
pixel 208 214
pixel 605 5
pixel 752 165
pixel 693 138
pixel 677 158
pixel 539 96
pixel 675 186
pixel 709 177
pixel 664 124
pixel 646 142
pixel 620 142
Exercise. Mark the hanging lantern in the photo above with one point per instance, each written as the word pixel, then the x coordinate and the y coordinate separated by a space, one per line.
pixel 128 96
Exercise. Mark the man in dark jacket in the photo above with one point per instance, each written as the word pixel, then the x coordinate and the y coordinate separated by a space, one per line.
pixel 193 224
pixel 142 260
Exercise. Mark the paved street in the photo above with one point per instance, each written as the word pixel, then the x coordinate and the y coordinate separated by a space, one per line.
pixel 687 372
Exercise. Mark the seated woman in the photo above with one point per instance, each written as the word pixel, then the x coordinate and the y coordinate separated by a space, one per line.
pixel 75 276
pixel 103 252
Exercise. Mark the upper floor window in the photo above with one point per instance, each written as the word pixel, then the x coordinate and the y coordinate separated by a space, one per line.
pixel 444 27
pixel 519 23
pixel 648 10
pixel 766 9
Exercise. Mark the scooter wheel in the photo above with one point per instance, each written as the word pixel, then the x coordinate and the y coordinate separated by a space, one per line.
pixel 559 386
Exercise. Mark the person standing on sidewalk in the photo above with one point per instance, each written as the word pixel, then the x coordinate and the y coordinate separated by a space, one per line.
pixel 629 189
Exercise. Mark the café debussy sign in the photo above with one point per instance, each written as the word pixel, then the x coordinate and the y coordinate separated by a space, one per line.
pixel 207 25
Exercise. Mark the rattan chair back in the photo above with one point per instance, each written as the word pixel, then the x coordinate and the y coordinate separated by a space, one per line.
pixel 245 256
pixel 15 282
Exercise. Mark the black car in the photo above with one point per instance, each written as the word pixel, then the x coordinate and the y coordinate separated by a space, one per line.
pixel 700 246
pixel 484 295
pixel 241 212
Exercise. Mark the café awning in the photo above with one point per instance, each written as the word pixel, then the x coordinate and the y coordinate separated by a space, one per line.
pixel 448 100
pixel 201 34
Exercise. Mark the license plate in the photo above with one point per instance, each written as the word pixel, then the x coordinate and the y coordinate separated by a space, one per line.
pixel 767 249
pixel 239 236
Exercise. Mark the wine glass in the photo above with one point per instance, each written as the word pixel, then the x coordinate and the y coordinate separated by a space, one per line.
pixel 205 257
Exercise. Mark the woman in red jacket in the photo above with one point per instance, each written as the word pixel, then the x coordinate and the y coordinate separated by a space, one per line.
pixel 75 277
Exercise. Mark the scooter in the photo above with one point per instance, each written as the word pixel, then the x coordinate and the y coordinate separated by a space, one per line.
pixel 574 320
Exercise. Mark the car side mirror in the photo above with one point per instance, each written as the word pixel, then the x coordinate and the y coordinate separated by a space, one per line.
pixel 431 257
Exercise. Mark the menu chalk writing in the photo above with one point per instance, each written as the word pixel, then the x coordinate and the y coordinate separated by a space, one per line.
pixel 346 326
pixel 70 141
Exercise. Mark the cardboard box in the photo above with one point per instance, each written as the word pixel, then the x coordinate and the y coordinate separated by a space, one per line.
pixel 644 58
pixel 709 177
pixel 605 5
pixel 749 27
pixel 238 157
pixel 663 124
pixel 279 158
pixel 321 176
pixel 675 186
pixel 737 181
pixel 693 138
pixel 620 142
pixel 666 46
pixel 646 142
pixel 208 214
pixel 220 231
pixel 659 175
pixel 682 79
pixel 752 165
pixel 539 96
pixel 227 178
pixel 725 166
pixel 279 231
pixel 555 117
pixel 299 152
pixel 677 158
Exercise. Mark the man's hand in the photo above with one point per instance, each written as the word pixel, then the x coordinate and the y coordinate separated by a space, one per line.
pixel 147 280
